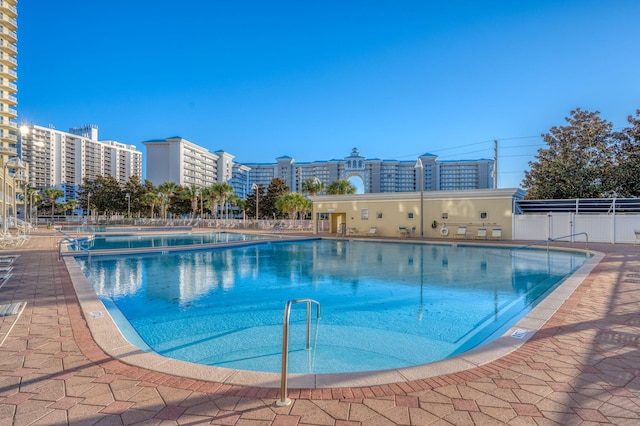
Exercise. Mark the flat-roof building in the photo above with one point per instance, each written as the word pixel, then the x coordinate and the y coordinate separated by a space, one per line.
pixel 64 160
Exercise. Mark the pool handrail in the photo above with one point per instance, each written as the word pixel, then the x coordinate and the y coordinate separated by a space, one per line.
pixel 548 240
pixel 284 401
pixel 74 241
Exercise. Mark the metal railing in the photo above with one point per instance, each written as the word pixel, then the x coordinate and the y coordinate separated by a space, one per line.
pixel 76 242
pixel 284 400
pixel 548 240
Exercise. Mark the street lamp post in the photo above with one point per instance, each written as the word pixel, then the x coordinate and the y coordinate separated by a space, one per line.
pixel 88 206
pixel 199 195
pixel 255 187
pixel 420 168
pixel 128 204
pixel 18 176
pixel 162 212
pixel 12 163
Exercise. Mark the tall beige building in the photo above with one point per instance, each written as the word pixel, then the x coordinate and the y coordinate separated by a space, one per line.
pixel 8 112
pixel 64 160
pixel 8 77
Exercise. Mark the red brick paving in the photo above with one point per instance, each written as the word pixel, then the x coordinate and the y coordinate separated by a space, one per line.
pixel 581 367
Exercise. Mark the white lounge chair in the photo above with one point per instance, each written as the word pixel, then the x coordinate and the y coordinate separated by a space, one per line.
pixel 496 234
pixel 372 231
pixel 482 234
pixel 404 232
pixel 462 232
pixel 637 232
pixel 355 231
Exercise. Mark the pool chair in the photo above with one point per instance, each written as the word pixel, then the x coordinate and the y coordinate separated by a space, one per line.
pixel 4 278
pixel 637 232
pixel 482 234
pixel 372 231
pixel 354 231
pixel 462 232
pixel 496 234
pixel 404 232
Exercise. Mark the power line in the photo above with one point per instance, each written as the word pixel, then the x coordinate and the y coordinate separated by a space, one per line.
pixel 476 143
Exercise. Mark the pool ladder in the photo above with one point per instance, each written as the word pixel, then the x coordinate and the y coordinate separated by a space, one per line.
pixel 284 400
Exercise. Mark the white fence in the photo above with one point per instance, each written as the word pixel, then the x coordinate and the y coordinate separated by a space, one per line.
pixel 603 228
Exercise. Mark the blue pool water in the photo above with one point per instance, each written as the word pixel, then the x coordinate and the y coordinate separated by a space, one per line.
pixel 383 305
pixel 130 241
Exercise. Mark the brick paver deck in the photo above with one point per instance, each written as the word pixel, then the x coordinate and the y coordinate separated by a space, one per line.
pixel 582 367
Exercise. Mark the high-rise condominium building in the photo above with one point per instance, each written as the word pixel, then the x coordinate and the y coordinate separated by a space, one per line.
pixel 376 175
pixel 8 77
pixel 185 163
pixel 64 160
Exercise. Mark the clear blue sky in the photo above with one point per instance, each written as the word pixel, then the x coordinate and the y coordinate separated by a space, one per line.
pixel 313 79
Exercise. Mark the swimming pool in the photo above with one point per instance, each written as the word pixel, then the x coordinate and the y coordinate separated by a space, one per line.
pixel 384 305
pixel 136 241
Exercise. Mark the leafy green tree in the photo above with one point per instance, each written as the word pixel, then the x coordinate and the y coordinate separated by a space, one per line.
pixel 180 202
pixel 312 186
pixel 577 162
pixel 341 187
pixel 136 189
pixel 108 196
pixel 267 207
pixel 627 170
pixel 250 205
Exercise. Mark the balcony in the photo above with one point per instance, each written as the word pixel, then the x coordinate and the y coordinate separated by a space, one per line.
pixel 9 35
pixel 10 151
pixel 10 10
pixel 10 22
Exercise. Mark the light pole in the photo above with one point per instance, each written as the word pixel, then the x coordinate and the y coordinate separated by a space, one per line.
pixel 198 194
pixel 420 168
pixel 255 187
pixel 88 206
pixel 128 204
pixel 12 163
pixel 162 213
pixel 18 176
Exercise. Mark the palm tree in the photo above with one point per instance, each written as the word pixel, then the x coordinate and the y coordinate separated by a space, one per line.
pixel 51 195
pixel 312 186
pixel 167 189
pixel 150 199
pixel 192 193
pixel 214 195
pixel 224 191
pixel 292 203
pixel 341 187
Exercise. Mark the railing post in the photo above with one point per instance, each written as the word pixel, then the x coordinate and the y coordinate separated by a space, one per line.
pixel 284 400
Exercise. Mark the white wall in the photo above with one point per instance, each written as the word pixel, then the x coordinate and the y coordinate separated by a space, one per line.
pixel 603 228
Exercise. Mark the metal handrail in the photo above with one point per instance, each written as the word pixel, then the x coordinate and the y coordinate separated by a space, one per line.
pixel 77 244
pixel 548 240
pixel 284 401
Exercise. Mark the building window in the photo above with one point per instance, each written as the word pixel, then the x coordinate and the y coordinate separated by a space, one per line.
pixel 379 215
pixel 484 215
pixel 364 214
pixel 409 215
pixel 445 216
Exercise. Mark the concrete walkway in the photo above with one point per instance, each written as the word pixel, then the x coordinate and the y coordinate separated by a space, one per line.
pixel 583 367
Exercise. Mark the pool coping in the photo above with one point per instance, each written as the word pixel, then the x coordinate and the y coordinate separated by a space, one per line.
pixel 107 335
